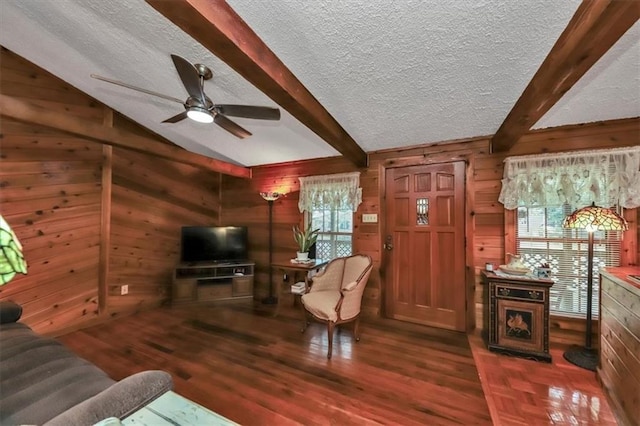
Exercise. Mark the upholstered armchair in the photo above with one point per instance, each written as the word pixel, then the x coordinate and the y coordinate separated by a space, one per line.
pixel 335 294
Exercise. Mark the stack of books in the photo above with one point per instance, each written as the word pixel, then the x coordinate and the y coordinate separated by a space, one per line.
pixel 298 288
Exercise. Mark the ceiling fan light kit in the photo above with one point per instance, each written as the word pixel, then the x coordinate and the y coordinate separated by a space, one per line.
pixel 200 115
pixel 198 106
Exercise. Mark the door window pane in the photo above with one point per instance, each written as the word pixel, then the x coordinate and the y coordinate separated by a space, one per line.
pixel 422 209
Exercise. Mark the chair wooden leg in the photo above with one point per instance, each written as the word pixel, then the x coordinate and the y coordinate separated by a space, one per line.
pixel 330 327
pixel 356 328
pixel 305 318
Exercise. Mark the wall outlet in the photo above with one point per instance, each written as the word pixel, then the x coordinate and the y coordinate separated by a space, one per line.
pixel 370 218
pixel 124 289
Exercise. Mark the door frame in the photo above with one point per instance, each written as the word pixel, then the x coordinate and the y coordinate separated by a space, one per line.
pixel 467 157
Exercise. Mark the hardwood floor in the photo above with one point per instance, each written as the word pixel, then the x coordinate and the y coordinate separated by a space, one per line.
pixel 255 369
pixel 523 392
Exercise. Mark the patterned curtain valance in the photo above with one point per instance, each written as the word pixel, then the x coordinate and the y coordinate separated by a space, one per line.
pixel 339 191
pixel 608 177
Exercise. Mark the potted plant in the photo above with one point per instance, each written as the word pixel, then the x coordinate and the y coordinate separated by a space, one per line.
pixel 305 238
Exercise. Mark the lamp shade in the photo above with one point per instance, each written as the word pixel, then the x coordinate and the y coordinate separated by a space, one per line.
pixel 594 218
pixel 270 196
pixel 200 115
pixel 11 258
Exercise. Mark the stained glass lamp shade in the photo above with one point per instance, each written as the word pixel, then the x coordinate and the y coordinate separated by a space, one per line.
pixel 11 258
pixel 594 218
pixel 591 219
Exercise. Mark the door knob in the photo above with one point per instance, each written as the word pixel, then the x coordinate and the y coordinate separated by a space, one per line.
pixel 388 245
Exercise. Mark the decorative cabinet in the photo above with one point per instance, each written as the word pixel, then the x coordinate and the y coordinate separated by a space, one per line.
pixel 516 316
pixel 619 365
pixel 211 282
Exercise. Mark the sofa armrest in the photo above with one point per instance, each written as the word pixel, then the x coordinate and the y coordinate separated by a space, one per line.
pixel 119 400
pixel 9 312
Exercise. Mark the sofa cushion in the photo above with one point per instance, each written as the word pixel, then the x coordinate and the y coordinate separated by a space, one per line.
pixel 40 378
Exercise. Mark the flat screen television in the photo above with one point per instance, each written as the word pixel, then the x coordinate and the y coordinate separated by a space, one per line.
pixel 220 244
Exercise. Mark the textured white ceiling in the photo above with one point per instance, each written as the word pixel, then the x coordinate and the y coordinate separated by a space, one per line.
pixel 392 73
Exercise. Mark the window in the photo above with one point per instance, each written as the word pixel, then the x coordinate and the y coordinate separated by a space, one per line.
pixel 329 202
pixel 540 238
pixel 336 232
pixel 544 188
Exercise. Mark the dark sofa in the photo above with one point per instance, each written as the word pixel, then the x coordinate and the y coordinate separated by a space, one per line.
pixel 42 382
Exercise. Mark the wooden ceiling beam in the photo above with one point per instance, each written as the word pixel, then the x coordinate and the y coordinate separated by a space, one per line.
pixel 216 26
pixel 594 28
pixel 22 110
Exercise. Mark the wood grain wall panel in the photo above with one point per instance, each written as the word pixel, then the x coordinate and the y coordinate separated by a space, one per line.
pixel 242 205
pixel 151 200
pixel 51 192
pixel 486 222
pixel 488 174
pixel 52 204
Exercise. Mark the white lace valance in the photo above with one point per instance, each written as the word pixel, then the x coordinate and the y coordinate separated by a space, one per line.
pixel 608 177
pixel 339 191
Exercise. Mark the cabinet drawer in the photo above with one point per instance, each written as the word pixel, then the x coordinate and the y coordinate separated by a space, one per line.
pixel 519 293
pixel 242 286
pixel 212 292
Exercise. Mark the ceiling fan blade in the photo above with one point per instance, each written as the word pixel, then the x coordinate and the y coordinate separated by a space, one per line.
pixel 176 118
pixel 250 111
pixel 128 86
pixel 230 126
pixel 190 78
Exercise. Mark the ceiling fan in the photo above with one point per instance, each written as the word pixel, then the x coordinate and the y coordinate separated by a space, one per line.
pixel 199 106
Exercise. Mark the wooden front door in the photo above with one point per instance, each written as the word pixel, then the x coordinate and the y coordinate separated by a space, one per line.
pixel 424 242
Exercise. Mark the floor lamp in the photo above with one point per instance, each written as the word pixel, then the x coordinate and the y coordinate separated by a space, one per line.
pixel 270 197
pixel 591 219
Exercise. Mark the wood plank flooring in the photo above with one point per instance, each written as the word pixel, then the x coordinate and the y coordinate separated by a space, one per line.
pixel 524 392
pixel 243 363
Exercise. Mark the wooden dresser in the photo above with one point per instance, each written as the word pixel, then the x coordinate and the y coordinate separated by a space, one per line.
pixel 619 365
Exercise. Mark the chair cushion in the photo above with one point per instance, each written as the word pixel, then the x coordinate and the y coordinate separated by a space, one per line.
pixel 322 304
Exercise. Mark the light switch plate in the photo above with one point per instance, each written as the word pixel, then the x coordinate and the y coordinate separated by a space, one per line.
pixel 370 218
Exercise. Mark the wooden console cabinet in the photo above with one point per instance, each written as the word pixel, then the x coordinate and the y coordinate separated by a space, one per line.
pixel 517 315
pixel 212 282
pixel 619 363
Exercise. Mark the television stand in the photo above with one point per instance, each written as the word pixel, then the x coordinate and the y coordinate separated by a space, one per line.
pixel 212 281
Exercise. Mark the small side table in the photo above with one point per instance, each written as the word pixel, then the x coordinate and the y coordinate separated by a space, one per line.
pixel 291 268
pixel 516 315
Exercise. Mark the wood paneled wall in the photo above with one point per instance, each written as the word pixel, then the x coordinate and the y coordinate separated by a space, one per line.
pixel 151 199
pixel 51 196
pixel 242 205
pixel 91 218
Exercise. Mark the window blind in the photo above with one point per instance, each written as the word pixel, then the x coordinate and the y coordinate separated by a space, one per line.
pixel 540 239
